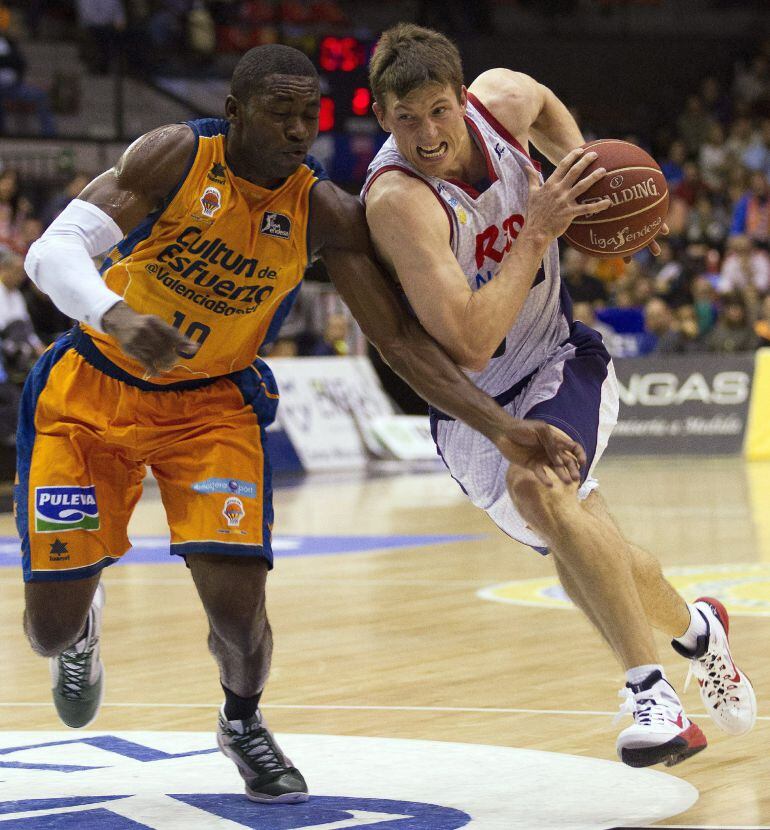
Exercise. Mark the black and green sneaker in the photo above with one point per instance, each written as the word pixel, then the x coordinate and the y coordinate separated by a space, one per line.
pixel 77 674
pixel 269 775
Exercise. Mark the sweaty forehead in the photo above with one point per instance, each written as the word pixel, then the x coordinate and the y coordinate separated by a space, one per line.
pixel 289 87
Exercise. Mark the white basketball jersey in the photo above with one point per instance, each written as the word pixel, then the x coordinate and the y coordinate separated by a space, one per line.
pixel 483 226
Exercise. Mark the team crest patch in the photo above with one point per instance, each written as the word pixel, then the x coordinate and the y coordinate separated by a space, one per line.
pixel 276 224
pixel 58 509
pixel 211 201
pixel 233 511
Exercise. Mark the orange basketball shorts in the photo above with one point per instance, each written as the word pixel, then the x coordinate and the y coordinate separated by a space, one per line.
pixel 87 433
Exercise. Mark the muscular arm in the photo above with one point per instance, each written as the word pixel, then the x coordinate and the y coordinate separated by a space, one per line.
pixel 340 236
pixel 469 324
pixel 529 111
pixel 60 262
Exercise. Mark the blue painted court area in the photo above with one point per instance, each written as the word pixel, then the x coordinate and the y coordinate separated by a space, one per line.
pixel 154 549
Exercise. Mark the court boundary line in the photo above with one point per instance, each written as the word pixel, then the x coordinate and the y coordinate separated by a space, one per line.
pixel 360 708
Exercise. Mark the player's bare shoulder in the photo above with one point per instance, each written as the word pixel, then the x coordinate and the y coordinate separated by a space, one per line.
pixel 396 197
pixel 513 98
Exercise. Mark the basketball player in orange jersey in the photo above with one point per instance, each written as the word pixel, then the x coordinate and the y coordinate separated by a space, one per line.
pixel 209 226
pixel 480 267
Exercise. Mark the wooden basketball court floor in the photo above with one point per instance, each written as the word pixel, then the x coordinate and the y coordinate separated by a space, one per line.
pixel 397 643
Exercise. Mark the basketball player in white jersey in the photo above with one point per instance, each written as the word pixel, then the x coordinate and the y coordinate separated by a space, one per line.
pixel 461 216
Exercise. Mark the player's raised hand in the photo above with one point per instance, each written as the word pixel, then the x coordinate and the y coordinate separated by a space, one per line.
pixel 537 445
pixel 148 339
pixel 554 205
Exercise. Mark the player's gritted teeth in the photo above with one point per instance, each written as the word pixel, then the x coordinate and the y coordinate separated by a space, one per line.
pixel 433 154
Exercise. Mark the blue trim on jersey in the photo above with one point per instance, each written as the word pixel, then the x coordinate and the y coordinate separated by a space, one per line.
pixel 144 228
pixel 280 315
pixel 565 300
pixel 74 573
pixel 221 549
pixel 209 127
pixel 89 351
pixel 25 438
pixel 253 383
pixel 316 168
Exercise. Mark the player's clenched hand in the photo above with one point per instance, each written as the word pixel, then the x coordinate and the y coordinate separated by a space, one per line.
pixel 553 206
pixel 147 338
pixel 537 445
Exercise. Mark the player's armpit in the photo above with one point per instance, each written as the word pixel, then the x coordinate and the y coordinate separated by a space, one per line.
pixel 144 175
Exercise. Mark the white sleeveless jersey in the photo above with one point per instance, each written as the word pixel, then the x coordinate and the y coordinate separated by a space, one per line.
pixel 483 227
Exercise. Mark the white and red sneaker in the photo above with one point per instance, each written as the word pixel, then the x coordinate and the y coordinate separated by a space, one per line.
pixel 661 732
pixel 725 691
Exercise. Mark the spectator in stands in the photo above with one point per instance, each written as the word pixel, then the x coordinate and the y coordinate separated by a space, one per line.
pixel 14 210
pixel 694 124
pixel 102 23
pixel 751 216
pixel 581 284
pixel 745 266
pixel 673 166
pixel 15 92
pixel 756 156
pixel 752 82
pixel 56 204
pixel 10 396
pixel 687 323
pixel 20 345
pixel 713 159
pixel 704 297
pixel 334 340
pixel 659 322
pixel 732 332
pixel 691 186
pixel 716 103
pixel 738 139
pixel 707 223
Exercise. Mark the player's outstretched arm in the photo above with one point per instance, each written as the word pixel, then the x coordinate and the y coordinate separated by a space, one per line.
pixel 340 235
pixel 61 264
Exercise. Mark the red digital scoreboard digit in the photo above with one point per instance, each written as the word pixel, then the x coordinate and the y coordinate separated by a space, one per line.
pixel 344 62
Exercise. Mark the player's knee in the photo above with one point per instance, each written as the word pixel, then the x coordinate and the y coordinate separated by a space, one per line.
pixel 49 636
pixel 538 504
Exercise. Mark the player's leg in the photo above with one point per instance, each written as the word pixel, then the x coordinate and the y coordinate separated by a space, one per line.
pixel 698 632
pixel 215 485
pixel 232 590
pixel 67 476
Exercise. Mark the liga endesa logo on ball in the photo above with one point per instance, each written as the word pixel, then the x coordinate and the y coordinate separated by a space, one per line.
pixel 624 238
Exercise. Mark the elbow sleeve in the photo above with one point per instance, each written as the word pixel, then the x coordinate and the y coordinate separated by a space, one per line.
pixel 60 262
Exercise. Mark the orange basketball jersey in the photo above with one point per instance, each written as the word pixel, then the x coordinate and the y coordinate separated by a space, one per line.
pixel 221 260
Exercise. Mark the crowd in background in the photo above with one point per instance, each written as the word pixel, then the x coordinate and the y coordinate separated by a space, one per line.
pixel 708 291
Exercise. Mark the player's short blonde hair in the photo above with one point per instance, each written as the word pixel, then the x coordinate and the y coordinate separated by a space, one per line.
pixel 408 56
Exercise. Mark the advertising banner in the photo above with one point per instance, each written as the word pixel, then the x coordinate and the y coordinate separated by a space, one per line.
pixel 693 404
pixel 326 406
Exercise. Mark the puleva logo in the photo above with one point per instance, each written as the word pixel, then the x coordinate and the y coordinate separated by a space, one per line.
pixel 58 509
pixel 145 780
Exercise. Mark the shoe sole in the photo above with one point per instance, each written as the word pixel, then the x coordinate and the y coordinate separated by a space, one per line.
pixel 679 749
pixel 261 798
pixel 724 619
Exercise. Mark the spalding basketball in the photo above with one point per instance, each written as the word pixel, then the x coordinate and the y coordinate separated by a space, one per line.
pixel 639 194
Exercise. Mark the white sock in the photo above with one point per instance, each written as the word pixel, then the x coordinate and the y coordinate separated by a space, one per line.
pixel 638 674
pixel 697 627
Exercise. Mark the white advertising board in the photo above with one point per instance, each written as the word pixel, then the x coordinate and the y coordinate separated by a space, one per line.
pixel 326 406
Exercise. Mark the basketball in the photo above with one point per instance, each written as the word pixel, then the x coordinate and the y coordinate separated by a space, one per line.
pixel 638 190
